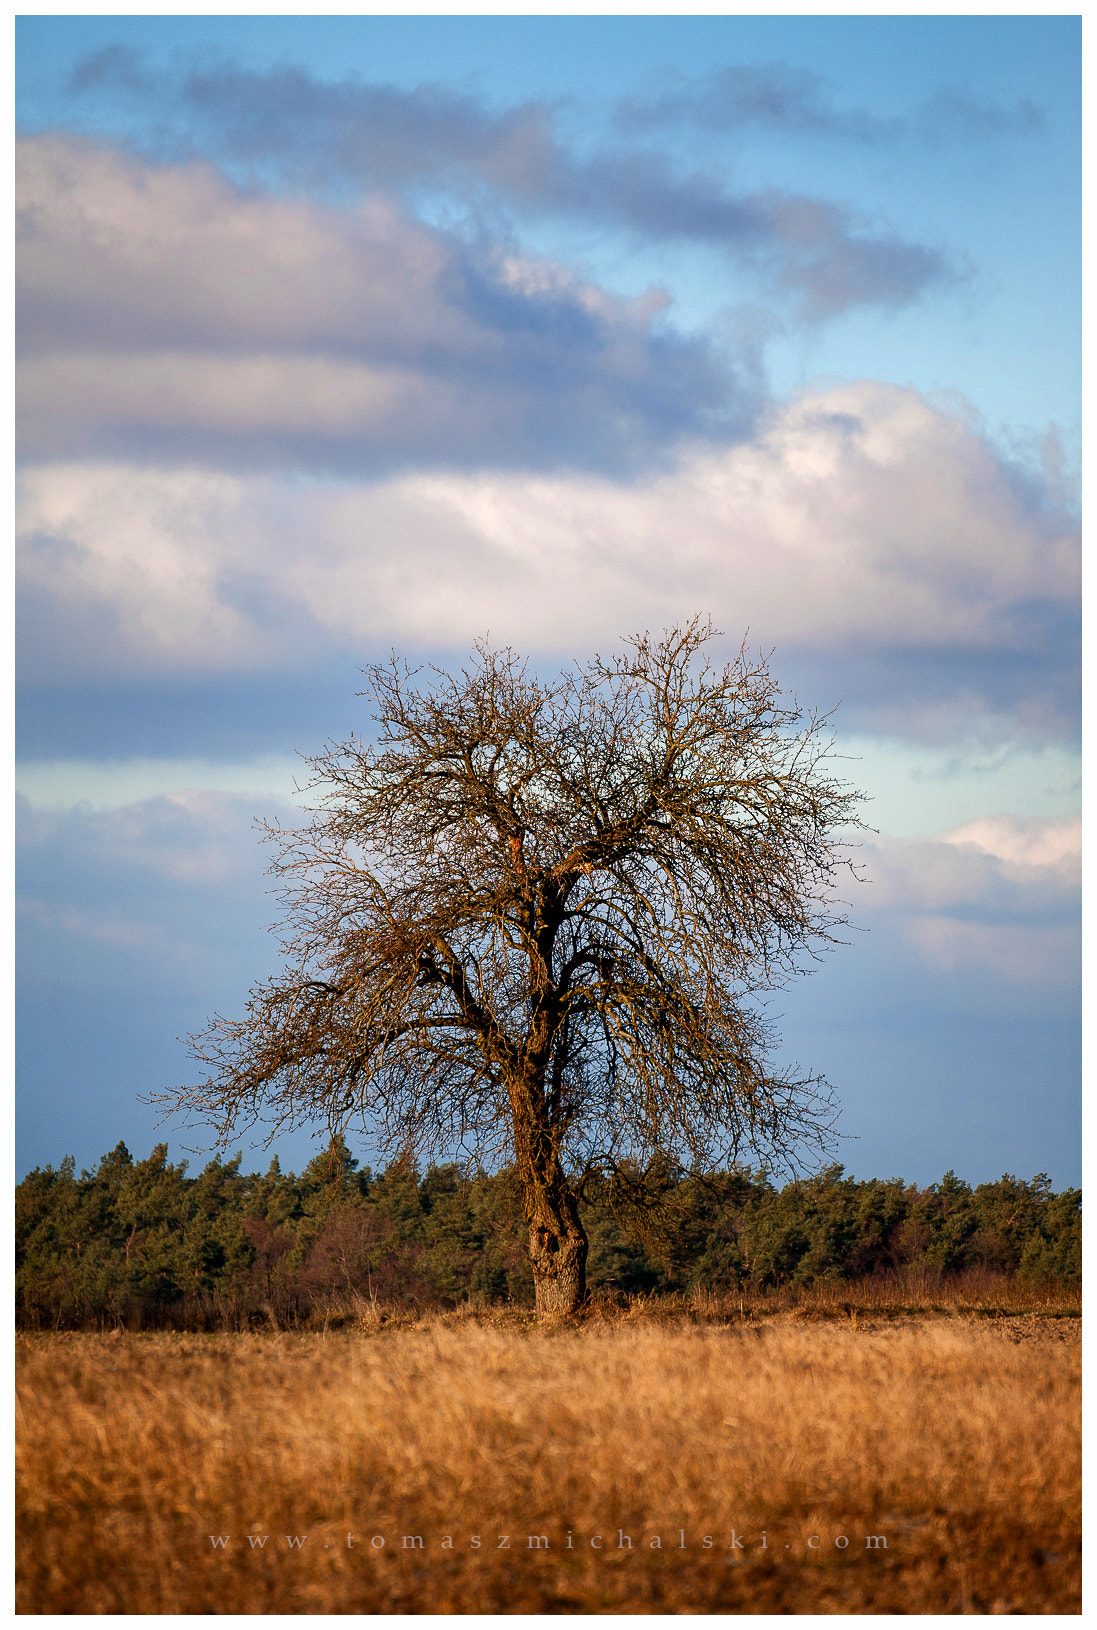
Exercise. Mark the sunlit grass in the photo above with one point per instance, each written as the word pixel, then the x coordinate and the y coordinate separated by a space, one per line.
pixel 955 1438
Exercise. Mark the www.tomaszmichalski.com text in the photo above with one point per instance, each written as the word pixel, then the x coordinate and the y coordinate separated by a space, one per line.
pixel 732 1543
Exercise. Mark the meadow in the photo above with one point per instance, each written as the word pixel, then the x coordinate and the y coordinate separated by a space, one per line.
pixel 842 1450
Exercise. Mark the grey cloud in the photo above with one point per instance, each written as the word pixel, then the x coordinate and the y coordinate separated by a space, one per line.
pixel 1012 687
pixel 953 111
pixel 164 313
pixel 817 252
pixel 969 916
pixel 117 67
pixel 380 136
pixel 376 134
pixel 832 268
pixel 781 98
pixel 956 881
pixel 776 96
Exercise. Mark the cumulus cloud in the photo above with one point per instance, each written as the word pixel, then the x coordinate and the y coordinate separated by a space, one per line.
pixel 380 136
pixel 999 897
pixel 865 521
pixel 167 314
pixel 1026 846
pixel 861 513
pixel 145 565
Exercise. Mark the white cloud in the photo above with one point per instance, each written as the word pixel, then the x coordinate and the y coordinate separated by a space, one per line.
pixel 998 897
pixel 135 254
pixel 862 513
pixel 163 311
pixel 864 518
pixel 1026 845
pixel 137 563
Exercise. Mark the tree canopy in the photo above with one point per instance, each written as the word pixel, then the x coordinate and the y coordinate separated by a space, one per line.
pixel 533 923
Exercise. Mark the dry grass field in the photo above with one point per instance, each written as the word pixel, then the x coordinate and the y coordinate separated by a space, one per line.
pixel 831 1456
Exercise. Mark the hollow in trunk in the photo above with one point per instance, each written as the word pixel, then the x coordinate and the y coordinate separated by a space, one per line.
pixel 558 1254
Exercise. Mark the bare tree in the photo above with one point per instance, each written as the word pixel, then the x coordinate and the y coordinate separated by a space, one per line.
pixel 527 925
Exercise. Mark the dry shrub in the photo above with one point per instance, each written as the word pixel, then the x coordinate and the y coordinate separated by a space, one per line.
pixel 955 1439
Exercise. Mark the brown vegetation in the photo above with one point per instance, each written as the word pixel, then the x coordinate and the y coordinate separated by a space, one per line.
pixel 955 1438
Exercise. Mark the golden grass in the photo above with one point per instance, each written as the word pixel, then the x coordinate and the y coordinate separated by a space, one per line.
pixel 986 1293
pixel 956 1439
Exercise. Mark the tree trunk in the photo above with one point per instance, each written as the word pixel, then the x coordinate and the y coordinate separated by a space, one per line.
pixel 557 1238
pixel 558 1254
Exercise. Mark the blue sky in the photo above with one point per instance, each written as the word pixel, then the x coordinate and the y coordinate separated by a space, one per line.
pixel 342 334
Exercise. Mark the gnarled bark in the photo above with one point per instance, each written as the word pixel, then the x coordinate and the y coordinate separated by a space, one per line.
pixel 558 1254
pixel 557 1238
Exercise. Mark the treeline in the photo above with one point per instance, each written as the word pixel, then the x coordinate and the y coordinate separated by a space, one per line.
pixel 142 1244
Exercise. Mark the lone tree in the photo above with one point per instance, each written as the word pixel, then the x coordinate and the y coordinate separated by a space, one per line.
pixel 528 923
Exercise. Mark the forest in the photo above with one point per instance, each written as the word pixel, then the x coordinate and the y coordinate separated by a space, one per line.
pixel 140 1244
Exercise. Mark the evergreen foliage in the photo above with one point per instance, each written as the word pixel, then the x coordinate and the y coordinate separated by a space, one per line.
pixel 141 1243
